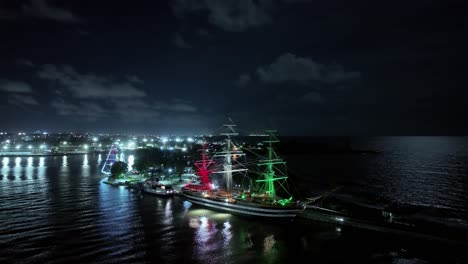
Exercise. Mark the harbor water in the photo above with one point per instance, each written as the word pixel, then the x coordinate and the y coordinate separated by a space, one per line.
pixel 58 210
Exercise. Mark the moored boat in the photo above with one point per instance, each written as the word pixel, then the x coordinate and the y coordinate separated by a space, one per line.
pixel 154 187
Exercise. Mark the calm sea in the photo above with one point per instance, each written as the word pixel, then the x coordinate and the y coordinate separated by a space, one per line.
pixel 57 210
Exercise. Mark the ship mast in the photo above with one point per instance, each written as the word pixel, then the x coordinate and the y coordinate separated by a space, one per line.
pixel 230 152
pixel 272 159
pixel 202 166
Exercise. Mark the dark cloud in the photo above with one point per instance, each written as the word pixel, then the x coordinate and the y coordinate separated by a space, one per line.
pixel 90 111
pixel 244 79
pixel 229 15
pixel 179 41
pixel 289 67
pixel 204 33
pixel 89 85
pixel 134 79
pixel 94 97
pixel 179 107
pixel 22 100
pixel 14 86
pixel 297 1
pixel 312 97
pixel 43 9
pixel 122 100
pixel 176 105
pixel 25 62
pixel 135 110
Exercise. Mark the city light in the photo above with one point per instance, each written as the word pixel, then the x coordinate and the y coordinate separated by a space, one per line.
pixel 42 147
pixel 144 140
pixel 189 139
pixel 95 139
pixel 29 147
pixel 18 146
pixel 85 147
pixel 5 147
pixel 64 142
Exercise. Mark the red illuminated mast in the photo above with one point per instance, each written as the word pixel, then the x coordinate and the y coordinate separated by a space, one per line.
pixel 203 166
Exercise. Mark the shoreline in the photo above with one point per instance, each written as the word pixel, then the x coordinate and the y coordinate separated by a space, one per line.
pixel 2 155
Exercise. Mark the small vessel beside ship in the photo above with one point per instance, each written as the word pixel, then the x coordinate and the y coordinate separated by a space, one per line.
pixel 157 188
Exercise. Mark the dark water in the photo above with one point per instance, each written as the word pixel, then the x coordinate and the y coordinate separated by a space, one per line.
pixel 427 172
pixel 57 210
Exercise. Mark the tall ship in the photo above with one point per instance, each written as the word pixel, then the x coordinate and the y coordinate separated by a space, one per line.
pixel 234 190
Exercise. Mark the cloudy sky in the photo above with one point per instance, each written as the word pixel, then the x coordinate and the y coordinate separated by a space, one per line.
pixel 304 67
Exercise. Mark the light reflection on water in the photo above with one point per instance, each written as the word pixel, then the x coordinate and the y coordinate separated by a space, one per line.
pixel 64 161
pixel 130 162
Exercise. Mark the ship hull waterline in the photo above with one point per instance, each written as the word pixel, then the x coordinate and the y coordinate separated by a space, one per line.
pixel 242 209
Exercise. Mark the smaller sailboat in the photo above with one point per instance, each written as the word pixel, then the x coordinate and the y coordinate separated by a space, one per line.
pixel 260 200
pixel 115 154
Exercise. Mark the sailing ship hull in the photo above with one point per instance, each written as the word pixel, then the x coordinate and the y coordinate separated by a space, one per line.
pixel 244 209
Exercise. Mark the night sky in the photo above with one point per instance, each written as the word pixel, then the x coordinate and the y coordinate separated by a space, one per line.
pixel 304 67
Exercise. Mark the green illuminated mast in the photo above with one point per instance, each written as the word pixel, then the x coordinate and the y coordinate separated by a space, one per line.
pixel 269 175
